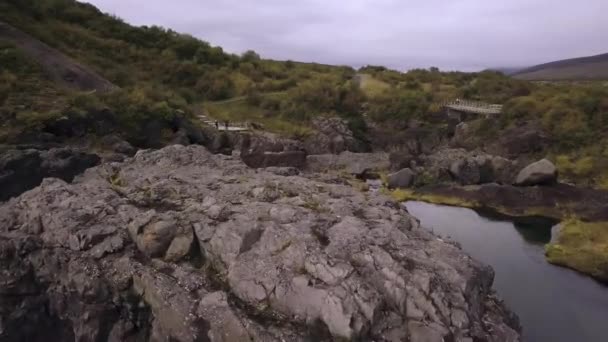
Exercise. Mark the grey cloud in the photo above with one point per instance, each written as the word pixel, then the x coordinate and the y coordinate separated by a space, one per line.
pixel 450 34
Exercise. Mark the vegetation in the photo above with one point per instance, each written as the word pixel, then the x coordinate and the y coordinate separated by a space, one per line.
pixel 585 68
pixel 582 246
pixel 149 62
pixel 164 75
pixel 404 195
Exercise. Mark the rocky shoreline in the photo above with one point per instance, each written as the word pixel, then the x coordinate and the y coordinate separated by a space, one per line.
pixel 180 244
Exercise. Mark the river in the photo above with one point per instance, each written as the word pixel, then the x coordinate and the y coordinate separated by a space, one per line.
pixel 554 304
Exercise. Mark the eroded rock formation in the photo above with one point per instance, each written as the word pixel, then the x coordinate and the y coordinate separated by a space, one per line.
pixel 182 245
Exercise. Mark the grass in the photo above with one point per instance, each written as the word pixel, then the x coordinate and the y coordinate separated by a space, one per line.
pixel 371 86
pixel 403 195
pixel 239 110
pixel 582 246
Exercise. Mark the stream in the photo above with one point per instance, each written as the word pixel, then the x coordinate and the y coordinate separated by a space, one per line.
pixel 554 304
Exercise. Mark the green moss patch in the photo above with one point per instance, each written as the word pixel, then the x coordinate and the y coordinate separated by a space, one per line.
pixel 582 246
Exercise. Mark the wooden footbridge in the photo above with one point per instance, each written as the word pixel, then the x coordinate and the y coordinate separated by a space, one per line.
pixel 222 125
pixel 473 107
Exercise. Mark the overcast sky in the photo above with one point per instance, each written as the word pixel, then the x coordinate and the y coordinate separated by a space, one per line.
pixel 402 34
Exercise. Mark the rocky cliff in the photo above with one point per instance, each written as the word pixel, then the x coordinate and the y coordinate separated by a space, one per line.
pixel 182 245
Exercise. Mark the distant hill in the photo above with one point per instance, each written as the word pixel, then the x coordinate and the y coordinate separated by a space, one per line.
pixel 506 70
pixel 584 68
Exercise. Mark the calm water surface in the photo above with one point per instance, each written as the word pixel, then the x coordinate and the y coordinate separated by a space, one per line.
pixel 554 304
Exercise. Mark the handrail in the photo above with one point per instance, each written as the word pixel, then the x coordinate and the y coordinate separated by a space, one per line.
pixel 473 106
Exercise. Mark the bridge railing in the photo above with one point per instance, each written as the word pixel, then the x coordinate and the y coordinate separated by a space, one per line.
pixel 464 104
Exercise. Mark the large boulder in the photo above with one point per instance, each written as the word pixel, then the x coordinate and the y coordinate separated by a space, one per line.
pixel 261 151
pixel 468 168
pixel 190 246
pixel 466 171
pixel 401 179
pixel 332 135
pixel 542 172
pixel 482 169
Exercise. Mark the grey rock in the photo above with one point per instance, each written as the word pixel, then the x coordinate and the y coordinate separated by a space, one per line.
pixel 466 171
pixel 468 168
pixel 263 151
pixel 272 258
pixel 118 145
pixel 542 172
pixel 332 136
pixel 283 171
pixel 354 163
pixel 180 247
pixel 402 179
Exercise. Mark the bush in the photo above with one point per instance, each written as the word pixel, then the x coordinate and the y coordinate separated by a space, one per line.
pixel 399 106
pixel 216 85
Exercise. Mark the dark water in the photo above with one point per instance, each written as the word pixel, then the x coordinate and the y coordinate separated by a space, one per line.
pixel 554 304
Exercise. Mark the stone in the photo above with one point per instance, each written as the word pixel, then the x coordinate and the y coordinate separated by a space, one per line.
pixel 332 136
pixel 193 246
pixel 180 247
pixel 65 163
pixel 466 172
pixel 542 172
pixel 402 179
pixel 264 151
pixel 354 163
pixel 283 171
pixel 118 145
pixel 295 159
pixel 156 237
pixel 22 170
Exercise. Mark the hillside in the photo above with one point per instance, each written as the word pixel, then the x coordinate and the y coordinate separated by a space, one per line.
pixel 584 68
pixel 165 80
pixel 59 67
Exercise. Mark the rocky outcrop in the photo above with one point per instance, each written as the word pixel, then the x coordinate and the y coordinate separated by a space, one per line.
pixel 353 163
pixel 413 141
pixel 402 179
pixel 182 245
pixel 332 135
pixel 259 151
pixel 21 170
pixel 116 144
pixel 469 168
pixel 542 172
pixel 483 169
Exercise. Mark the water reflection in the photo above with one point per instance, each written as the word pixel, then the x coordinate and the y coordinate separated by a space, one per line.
pixel 554 304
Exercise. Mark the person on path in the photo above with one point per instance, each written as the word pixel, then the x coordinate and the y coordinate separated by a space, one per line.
pixel 217 125
pixel 226 125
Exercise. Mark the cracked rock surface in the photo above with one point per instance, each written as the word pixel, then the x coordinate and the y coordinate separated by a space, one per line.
pixel 182 245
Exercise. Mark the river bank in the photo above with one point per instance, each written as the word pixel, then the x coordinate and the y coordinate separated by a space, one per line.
pixel 553 303
pixel 582 240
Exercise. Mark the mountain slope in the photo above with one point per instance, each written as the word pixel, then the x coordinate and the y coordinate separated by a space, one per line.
pixel 584 68
pixel 59 67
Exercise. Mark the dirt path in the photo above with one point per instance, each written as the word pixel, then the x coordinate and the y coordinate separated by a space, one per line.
pixel 61 68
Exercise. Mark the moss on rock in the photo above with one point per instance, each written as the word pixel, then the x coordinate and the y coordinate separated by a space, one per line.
pixel 582 246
